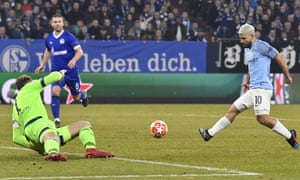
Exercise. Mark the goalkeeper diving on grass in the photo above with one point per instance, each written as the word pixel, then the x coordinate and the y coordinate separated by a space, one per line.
pixel 33 129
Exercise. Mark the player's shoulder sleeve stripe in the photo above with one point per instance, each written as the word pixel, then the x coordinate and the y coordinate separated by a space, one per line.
pixel 266 49
pixel 263 44
pixel 77 46
pixel 43 82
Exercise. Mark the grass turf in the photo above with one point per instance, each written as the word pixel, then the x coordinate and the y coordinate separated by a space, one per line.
pixel 243 148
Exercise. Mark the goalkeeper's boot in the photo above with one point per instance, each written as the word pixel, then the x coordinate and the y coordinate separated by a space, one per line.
pixel 55 157
pixel 85 101
pixel 293 141
pixel 204 134
pixel 97 153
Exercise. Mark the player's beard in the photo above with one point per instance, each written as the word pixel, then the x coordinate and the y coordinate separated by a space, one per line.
pixel 58 30
pixel 247 45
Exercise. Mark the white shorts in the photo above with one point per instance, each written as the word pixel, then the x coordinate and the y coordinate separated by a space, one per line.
pixel 259 98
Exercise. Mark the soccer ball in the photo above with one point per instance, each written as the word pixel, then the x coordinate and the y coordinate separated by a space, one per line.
pixel 158 129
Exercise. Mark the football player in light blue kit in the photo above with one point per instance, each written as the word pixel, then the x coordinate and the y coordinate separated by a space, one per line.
pixel 259 88
pixel 64 50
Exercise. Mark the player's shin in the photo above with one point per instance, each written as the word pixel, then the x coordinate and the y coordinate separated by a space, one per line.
pixel 82 95
pixel 51 145
pixel 55 106
pixel 87 137
pixel 219 125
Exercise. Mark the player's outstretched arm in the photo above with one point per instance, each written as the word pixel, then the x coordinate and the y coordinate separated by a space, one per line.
pixel 282 63
pixel 246 82
pixel 20 139
pixel 46 58
pixel 77 56
pixel 53 77
pixel 18 136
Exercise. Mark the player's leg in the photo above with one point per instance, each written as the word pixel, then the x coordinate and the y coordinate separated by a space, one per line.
pixel 84 130
pixel 82 97
pixel 262 111
pixel 55 102
pixel 73 81
pixel 52 146
pixel 241 104
pixel 221 124
pixel 43 131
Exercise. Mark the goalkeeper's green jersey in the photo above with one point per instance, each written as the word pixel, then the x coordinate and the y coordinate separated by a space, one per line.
pixel 29 104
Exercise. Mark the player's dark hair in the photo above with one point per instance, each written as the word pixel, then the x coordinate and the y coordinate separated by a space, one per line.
pixel 22 80
pixel 57 15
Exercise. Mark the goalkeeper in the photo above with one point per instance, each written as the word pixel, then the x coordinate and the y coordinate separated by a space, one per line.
pixel 33 129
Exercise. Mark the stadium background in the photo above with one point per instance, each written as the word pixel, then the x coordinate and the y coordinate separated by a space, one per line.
pixel 186 78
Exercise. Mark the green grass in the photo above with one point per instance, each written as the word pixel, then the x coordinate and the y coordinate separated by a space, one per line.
pixel 245 146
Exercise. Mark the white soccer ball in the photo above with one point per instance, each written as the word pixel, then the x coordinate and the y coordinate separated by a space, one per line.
pixel 158 129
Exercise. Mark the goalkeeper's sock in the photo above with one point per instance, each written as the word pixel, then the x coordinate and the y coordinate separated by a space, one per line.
pixel 87 137
pixel 220 125
pixel 51 145
pixel 55 106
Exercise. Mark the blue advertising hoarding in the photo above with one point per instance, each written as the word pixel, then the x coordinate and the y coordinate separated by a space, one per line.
pixel 112 56
pixel 161 63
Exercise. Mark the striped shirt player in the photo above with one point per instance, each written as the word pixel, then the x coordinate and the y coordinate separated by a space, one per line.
pixel 259 88
pixel 64 50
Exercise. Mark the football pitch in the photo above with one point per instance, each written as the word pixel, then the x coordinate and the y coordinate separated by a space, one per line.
pixel 245 150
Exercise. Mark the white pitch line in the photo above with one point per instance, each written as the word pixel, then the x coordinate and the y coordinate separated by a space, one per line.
pixel 181 165
pixel 191 167
pixel 224 170
pixel 119 177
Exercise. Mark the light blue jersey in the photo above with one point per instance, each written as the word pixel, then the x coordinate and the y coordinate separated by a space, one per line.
pixel 259 60
pixel 62 48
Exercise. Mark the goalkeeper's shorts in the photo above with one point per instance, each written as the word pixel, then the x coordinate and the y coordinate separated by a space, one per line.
pixel 39 128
